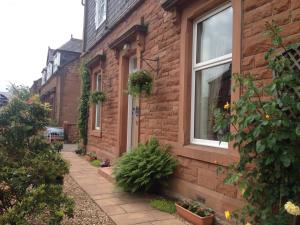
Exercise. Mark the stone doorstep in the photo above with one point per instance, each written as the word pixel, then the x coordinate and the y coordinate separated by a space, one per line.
pixel 106 172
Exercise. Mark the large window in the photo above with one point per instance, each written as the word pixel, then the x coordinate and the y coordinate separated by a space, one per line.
pixel 56 62
pixel 98 87
pixel 100 12
pixel 211 78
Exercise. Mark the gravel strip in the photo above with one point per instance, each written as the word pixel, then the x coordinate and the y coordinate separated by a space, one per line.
pixel 86 211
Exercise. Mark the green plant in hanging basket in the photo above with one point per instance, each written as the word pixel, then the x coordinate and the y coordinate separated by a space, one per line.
pixel 140 82
pixel 98 96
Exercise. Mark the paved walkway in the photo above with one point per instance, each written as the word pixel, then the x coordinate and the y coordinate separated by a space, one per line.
pixel 123 208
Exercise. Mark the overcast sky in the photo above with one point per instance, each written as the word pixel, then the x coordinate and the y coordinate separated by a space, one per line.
pixel 28 27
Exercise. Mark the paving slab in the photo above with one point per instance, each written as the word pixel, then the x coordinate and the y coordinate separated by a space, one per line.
pixel 123 208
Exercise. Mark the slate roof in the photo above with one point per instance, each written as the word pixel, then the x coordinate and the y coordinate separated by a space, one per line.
pixel 6 94
pixel 73 45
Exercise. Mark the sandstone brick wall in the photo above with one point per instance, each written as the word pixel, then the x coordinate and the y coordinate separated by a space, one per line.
pixel 65 101
pixel 285 13
pixel 70 92
pixel 160 112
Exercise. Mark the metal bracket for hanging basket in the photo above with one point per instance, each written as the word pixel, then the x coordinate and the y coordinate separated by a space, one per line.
pixel 146 60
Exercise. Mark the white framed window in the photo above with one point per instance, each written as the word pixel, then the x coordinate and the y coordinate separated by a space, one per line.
pixel 100 12
pixel 56 62
pixel 49 70
pixel 211 73
pixel 98 87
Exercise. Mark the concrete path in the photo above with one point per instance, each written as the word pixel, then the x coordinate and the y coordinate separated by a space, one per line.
pixel 69 147
pixel 123 208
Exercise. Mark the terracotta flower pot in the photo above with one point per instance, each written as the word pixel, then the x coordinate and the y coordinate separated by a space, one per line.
pixel 88 158
pixel 193 218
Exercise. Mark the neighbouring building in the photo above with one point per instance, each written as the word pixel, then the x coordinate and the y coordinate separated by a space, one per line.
pixel 60 85
pixel 4 98
pixel 191 48
pixel 35 88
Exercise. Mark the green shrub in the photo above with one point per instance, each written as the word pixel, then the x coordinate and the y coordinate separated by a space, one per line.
pixel 31 172
pixel 57 146
pixel 96 163
pixel 144 169
pixel 163 205
pixel 140 82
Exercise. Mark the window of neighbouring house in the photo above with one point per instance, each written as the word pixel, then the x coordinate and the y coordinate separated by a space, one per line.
pixel 56 62
pixel 100 12
pixel 49 70
pixel 211 78
pixel 98 87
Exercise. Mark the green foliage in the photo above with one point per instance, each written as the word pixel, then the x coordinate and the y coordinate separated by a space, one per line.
pixel 140 82
pixel 31 173
pixel 163 205
pixel 84 105
pixel 266 133
pixel 196 208
pixel 20 91
pixel 98 96
pixel 96 163
pixel 57 146
pixel 145 169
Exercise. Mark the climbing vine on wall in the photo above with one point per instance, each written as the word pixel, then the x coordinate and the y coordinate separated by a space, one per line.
pixel 84 105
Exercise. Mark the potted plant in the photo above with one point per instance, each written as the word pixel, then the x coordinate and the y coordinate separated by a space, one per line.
pixel 140 82
pixel 195 213
pixel 98 96
pixel 91 156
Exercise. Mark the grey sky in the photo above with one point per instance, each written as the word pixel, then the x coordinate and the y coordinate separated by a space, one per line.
pixel 28 27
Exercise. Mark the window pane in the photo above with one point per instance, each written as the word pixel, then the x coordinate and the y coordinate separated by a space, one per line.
pixel 212 90
pixel 214 36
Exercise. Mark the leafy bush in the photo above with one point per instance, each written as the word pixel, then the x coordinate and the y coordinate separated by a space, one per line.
pixel 57 146
pixel 163 205
pixel 196 208
pixel 96 163
pixel 140 82
pixel 144 169
pixel 266 131
pixel 31 172
pixel 98 96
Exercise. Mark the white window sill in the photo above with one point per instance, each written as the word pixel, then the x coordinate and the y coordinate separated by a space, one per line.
pixel 210 143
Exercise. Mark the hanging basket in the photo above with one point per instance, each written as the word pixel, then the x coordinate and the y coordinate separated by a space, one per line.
pixel 140 82
pixel 98 96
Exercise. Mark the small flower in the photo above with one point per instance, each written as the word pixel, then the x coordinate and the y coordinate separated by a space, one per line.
pixel 227 215
pixel 292 208
pixel 267 117
pixel 227 106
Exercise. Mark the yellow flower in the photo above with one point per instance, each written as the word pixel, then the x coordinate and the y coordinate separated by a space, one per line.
pixel 248 223
pixel 227 215
pixel 292 208
pixel 227 106
pixel 268 116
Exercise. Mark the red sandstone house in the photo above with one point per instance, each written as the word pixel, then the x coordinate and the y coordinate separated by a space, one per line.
pixel 60 85
pixel 191 48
